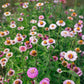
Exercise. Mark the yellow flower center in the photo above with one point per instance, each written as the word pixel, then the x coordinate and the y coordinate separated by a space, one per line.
pixel 61 21
pixel 41 22
pixel 68 82
pixel 70 56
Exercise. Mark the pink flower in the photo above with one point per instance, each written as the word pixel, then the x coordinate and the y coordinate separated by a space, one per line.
pixel 17 81
pixel 41 17
pixel 29 46
pixel 32 72
pixel 45 81
pixel 82 37
pixel 55 58
pixel 22 48
pixel 68 82
pixel 63 1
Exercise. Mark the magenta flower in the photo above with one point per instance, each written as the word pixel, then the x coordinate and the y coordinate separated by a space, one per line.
pixel 80 34
pixel 22 48
pixel 71 66
pixel 68 29
pixel 29 46
pixel 1 53
pixel 32 72
pixel 55 58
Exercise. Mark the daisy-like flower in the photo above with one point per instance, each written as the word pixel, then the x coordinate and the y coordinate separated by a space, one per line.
pixel 34 27
pixel 61 58
pixel 52 26
pixel 41 17
pixel 17 81
pixel 33 53
pixel 55 58
pixel 4 60
pixel 79 24
pixel 6 50
pixel 7 13
pixel 39 4
pixel 68 82
pixel 77 50
pixel 77 29
pixel 7 42
pixel 29 46
pixel 2 34
pixel 72 34
pixel 45 37
pixel 13 26
pixel 70 18
pixel 62 54
pixel 32 72
pixel 74 14
pixel 20 19
pixel 1 53
pixel 59 70
pixel 22 14
pixel 68 29
pixel 12 22
pixel 80 42
pixel 25 6
pixel 71 10
pixel 44 43
pixel 41 24
pixel 45 81
pixel 51 41
pixel 22 48
pixel 26 3
pixel 19 39
pixel 33 33
pixel 34 40
pixel 4 6
pixel 47 29
pixel 11 72
pixel 64 63
pixel 71 55
pixel 39 35
pixel 20 28
pixel 9 54
pixel 3 64
pixel 64 33
pixel 60 23
pixel 1 79
pixel 77 70
pixel 13 42
pixel 33 21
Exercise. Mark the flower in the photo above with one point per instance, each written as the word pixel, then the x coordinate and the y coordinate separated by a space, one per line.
pixel 71 10
pixel 28 46
pixel 62 54
pixel 70 18
pixel 22 48
pixel 33 53
pixel 74 14
pixel 33 33
pixel 68 82
pixel 71 55
pixel 17 81
pixel 60 23
pixel 44 43
pixel 9 54
pixel 65 33
pixel 79 24
pixel 39 4
pixel 11 73
pixel 20 19
pixel 33 21
pixel 7 42
pixel 1 53
pixel 59 70
pixel 77 50
pixel 81 17
pixel 80 42
pixel 52 26
pixel 82 37
pixel 77 70
pixel 25 6
pixel 51 41
pixel 41 24
pixel 45 81
pixel 41 17
pixel 13 25
pixel 7 13
pixel 77 29
pixel 64 63
pixel 4 60
pixel 55 58
pixel 32 72
pixel 1 79
pixel 68 29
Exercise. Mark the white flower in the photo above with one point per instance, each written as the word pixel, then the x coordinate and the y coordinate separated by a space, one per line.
pixel 33 21
pixel 25 6
pixel 44 43
pixel 71 56
pixel 52 26
pixel 41 24
pixel 39 4
pixel 6 50
pixel 34 40
pixel 33 33
pixel 60 23
pixel 51 41
pixel 77 29
pixel 71 10
pixel 59 70
pixel 9 54
pixel 13 25
pixel 64 33
pixel 7 13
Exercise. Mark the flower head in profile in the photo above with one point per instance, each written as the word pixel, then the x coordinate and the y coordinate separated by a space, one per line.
pixel 68 82
pixel 22 48
pixel 60 23
pixel 32 72
pixel 17 81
